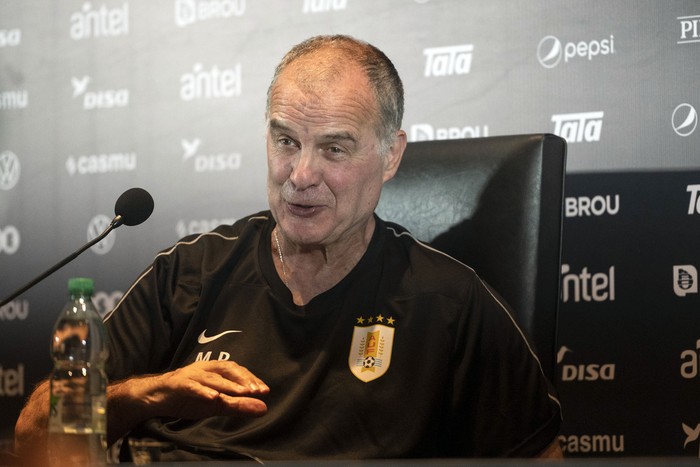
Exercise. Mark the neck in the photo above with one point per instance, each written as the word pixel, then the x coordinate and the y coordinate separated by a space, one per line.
pixel 310 271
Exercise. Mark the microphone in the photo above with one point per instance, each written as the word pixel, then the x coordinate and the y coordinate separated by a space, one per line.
pixel 133 207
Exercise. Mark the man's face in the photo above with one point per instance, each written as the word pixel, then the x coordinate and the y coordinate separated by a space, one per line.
pixel 325 171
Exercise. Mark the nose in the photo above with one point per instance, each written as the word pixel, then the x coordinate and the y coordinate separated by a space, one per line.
pixel 306 170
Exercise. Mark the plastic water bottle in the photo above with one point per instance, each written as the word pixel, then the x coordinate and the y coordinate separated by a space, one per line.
pixel 78 401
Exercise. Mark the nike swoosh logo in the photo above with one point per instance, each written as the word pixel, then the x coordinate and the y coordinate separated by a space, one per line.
pixel 202 339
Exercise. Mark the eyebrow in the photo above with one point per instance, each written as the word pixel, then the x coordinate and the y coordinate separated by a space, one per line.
pixel 277 125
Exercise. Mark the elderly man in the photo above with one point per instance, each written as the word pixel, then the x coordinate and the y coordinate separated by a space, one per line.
pixel 316 329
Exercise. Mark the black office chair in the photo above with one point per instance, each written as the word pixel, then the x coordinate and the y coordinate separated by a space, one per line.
pixel 495 204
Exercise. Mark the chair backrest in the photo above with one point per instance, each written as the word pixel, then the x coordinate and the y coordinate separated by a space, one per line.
pixel 495 204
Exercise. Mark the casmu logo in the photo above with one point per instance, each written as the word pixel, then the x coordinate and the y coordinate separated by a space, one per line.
pixel 103 22
pixel 684 120
pixel 578 127
pixel 212 162
pixel 685 280
pixel 203 339
pixel 101 163
pixel 550 50
pixel 592 443
pixel 587 287
pixel 212 84
pixel 10 37
pixel 599 205
pixel 10 100
pixel 690 30
pixel 104 99
pixel 9 170
pixel 9 240
pixel 190 11
pixel 426 132
pixel 319 6
pixel 97 225
pixel 450 60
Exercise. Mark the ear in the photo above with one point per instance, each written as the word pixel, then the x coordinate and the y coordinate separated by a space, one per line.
pixel 393 158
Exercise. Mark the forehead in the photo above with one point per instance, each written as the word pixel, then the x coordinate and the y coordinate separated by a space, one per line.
pixel 322 88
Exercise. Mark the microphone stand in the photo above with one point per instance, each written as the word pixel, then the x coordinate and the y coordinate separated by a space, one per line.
pixel 116 222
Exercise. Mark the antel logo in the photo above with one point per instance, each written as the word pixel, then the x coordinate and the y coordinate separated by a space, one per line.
pixel 685 279
pixel 684 119
pixel 210 84
pixel 188 12
pixel 586 286
pixel 96 226
pixel 101 22
pixel 550 50
pixel 9 170
pixel 427 132
pixel 690 29
pixel 690 362
pixel 12 381
pixel 10 240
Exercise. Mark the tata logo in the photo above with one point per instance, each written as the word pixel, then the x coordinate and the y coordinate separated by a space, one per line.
pixel 100 22
pixel 586 286
pixel 694 206
pixel 426 132
pixel 96 226
pixel 447 61
pixel 9 170
pixel 685 280
pixel 578 127
pixel 101 99
pixel 210 84
pixel 320 6
pixel 10 37
pixel 188 12
pixel 551 50
pixel 9 240
pixel 690 29
pixel 684 119
pixel 209 162
pixel 586 206
pixel 584 372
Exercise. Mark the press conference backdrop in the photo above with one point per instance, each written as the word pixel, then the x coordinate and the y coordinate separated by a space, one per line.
pixel 101 95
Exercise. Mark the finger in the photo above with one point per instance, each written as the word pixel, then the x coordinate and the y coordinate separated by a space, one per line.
pixel 239 375
pixel 242 405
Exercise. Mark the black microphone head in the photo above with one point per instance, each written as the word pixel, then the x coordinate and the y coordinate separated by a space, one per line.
pixel 134 206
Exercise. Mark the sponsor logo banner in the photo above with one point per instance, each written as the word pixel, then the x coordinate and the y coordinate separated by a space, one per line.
pixel 188 12
pixel 449 60
pixel 9 170
pixel 690 29
pixel 685 280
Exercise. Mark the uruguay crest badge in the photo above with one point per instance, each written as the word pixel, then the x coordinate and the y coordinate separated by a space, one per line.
pixel 370 350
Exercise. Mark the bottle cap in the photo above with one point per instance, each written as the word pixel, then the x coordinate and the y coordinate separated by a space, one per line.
pixel 81 286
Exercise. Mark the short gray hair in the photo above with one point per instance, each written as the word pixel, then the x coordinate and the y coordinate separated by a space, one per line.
pixel 381 73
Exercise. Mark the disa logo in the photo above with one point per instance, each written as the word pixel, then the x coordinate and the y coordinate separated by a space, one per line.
pixel 101 99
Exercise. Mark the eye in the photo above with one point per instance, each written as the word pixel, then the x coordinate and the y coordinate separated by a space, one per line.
pixel 286 142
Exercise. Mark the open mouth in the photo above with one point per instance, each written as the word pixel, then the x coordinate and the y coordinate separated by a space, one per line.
pixel 302 210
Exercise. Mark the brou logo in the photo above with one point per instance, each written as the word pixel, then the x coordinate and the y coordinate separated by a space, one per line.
pixel 15 310
pixel 580 206
pixel 578 127
pixel 190 11
pixel 450 60
pixel 102 22
pixel 101 163
pixel 104 99
pixel 212 84
pixel 9 239
pixel 211 162
pixel 684 119
pixel 426 132
pixel 320 6
pixel 587 287
pixel 550 50
pixel 690 29
pixel 685 280
pixel 9 170
pixel 10 37
pixel 10 100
